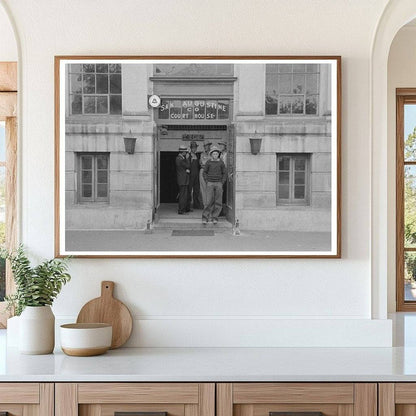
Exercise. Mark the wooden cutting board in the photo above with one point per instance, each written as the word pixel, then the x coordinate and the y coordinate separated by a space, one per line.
pixel 107 309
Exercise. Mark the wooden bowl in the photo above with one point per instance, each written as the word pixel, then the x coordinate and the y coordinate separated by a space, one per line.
pixel 84 340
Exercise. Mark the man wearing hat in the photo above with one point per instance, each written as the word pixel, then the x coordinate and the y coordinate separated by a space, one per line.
pixel 193 187
pixel 183 169
pixel 215 175
pixel 202 161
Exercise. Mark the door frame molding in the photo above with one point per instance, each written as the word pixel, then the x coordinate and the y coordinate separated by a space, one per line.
pixel 8 113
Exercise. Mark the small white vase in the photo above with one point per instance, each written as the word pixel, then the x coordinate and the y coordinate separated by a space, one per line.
pixel 37 330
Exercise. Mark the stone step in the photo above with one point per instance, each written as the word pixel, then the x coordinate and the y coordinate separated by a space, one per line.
pixel 191 223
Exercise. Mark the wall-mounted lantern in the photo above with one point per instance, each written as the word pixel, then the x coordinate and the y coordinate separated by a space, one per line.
pixel 130 144
pixel 255 145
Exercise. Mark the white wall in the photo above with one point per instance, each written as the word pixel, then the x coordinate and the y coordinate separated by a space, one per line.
pixel 179 302
pixel 401 74
pixel 8 47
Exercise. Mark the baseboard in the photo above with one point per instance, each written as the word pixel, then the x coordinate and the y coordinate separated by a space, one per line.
pixel 148 332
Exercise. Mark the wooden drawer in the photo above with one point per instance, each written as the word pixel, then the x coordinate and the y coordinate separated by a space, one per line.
pixel 332 399
pixel 27 399
pixel 104 399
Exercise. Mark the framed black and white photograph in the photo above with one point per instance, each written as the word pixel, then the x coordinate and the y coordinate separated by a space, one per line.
pixel 198 156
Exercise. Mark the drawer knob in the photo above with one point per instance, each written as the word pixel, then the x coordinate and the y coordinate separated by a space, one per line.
pixel 296 414
pixel 139 414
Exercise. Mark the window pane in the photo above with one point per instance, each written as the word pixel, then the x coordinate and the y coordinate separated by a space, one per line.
pixel 312 84
pixel 300 164
pixel 283 191
pixel 311 68
pixel 102 105
pixel 271 68
pixel 284 163
pixel 115 68
pixel 199 109
pixel 284 178
pixel 89 84
pixel 102 67
pixel 410 206
pixel 285 68
pixel 75 68
pixel 311 104
pixel 187 109
pixel 175 109
pixel 102 176
pixel 410 132
pixel 299 68
pixel 102 162
pixel 76 83
pixel 299 178
pixel 88 67
pixel 409 275
pixel 298 84
pixel 164 110
pixel 115 104
pixel 211 109
pixel 76 104
pixel 285 105
pixel 89 105
pixel 102 190
pixel 87 191
pixel 115 84
pixel 102 84
pixel 86 162
pixel 2 208
pixel 271 105
pixel 300 192
pixel 285 84
pixel 2 198
pixel 86 176
pixel 223 109
pixel 297 105
pixel 271 84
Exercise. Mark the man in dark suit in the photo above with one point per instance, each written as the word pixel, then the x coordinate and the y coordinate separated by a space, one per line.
pixel 183 169
pixel 194 193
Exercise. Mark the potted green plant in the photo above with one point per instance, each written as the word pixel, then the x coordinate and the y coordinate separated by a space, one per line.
pixel 36 289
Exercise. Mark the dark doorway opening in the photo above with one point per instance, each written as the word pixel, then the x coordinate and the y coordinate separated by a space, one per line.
pixel 168 185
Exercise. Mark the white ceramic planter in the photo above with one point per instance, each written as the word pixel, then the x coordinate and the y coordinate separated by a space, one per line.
pixel 37 330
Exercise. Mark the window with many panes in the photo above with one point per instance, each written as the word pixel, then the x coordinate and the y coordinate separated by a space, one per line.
pixel 93 175
pixel 293 179
pixel 95 88
pixel 2 207
pixel 292 89
pixel 406 200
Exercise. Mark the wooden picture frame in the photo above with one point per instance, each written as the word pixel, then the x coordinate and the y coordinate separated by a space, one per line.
pixel 119 124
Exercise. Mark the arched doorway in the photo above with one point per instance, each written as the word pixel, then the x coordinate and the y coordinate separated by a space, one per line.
pixel 396 15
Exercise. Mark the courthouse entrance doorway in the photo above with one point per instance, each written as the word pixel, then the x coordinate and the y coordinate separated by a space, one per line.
pixel 169 138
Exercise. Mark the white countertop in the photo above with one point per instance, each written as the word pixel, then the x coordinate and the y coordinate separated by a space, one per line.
pixel 213 364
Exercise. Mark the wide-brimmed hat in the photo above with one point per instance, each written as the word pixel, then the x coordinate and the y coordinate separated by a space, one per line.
pixel 183 148
pixel 223 143
pixel 193 144
pixel 214 149
pixel 207 142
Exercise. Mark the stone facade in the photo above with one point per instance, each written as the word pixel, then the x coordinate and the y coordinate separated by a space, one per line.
pixel 132 181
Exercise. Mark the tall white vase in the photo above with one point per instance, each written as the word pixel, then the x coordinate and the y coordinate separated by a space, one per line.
pixel 37 330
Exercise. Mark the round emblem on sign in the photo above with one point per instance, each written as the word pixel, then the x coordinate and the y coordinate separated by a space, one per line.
pixel 154 101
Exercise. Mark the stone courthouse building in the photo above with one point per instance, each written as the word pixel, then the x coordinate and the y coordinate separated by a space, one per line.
pixel 120 147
